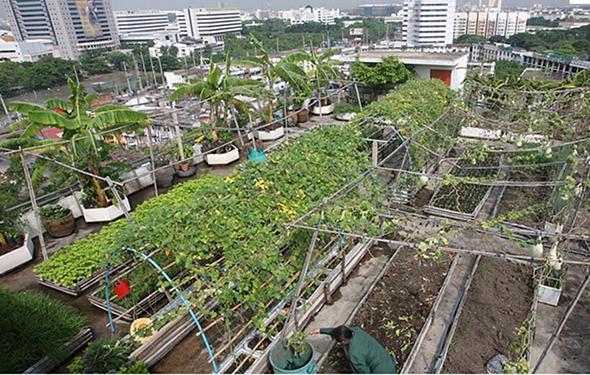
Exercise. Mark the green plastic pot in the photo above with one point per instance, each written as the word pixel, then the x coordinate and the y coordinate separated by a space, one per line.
pixel 284 361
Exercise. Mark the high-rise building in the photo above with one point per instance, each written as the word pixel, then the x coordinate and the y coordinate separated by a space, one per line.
pixel 203 23
pixel 428 22
pixel 72 25
pixel 488 24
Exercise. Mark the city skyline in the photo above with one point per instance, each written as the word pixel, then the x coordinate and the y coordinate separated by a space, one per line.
pixel 249 5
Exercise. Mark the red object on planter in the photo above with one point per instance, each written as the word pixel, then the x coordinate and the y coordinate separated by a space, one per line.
pixel 121 288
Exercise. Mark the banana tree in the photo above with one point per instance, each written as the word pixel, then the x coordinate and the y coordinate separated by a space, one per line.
pixel 81 127
pixel 320 68
pixel 222 92
pixel 285 69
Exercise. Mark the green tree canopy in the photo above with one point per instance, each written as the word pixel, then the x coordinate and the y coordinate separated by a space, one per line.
pixel 390 70
pixel 469 39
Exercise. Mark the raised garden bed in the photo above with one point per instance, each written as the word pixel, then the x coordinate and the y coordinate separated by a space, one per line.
pixel 79 287
pixel 518 198
pixel 68 349
pixel 496 317
pixel 144 293
pixel 462 200
pixel 398 307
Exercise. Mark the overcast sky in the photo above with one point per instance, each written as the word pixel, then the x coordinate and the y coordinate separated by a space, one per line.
pixel 282 4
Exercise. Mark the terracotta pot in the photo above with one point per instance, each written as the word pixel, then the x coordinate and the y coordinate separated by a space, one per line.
pixel 293 117
pixel 302 115
pixel 176 166
pixel 60 227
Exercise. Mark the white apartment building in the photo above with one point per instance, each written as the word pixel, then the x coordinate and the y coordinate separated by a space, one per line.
pixel 309 14
pixel 142 21
pixel 73 26
pixel 488 24
pixel 142 25
pixel 428 22
pixel 213 22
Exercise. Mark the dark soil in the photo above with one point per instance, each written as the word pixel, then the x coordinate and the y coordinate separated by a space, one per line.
pixel 12 244
pixel 517 198
pixel 497 305
pixel 396 309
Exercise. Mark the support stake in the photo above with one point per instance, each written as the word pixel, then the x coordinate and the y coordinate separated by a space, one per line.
pixel 34 204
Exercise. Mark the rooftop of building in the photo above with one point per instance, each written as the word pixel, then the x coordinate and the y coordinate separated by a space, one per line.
pixel 377 56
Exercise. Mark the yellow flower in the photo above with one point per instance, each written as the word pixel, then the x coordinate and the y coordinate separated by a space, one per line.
pixel 228 179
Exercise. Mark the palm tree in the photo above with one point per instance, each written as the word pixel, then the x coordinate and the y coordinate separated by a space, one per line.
pixel 221 91
pixel 285 69
pixel 80 126
pixel 320 68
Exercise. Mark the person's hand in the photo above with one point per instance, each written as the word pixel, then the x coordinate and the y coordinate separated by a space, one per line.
pixel 314 331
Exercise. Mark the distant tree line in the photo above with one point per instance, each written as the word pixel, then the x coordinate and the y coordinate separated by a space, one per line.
pixel 572 42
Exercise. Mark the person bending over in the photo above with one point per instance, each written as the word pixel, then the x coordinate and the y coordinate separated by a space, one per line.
pixel 365 354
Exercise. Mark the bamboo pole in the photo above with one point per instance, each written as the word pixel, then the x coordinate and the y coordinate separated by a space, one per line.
pixel 152 160
pixel 34 205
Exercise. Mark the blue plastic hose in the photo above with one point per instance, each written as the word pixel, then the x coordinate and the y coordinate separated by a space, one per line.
pixel 157 267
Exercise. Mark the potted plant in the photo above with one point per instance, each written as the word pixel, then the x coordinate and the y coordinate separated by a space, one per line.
pixel 223 93
pixel 321 70
pixel 285 70
pixel 294 355
pixel 87 149
pixel 184 163
pixel 219 150
pixel 299 108
pixel 57 220
pixel 269 128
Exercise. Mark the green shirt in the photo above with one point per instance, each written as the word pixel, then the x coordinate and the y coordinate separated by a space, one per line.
pixel 366 355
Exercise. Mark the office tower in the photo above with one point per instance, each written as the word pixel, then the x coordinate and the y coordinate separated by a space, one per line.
pixel 428 22
pixel 204 23
pixel 72 25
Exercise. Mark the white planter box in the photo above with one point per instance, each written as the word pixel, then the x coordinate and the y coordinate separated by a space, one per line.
pixel 549 295
pixel 325 109
pixel 140 179
pixel 223 159
pixel 19 256
pixel 264 135
pixel 110 213
pixel 71 203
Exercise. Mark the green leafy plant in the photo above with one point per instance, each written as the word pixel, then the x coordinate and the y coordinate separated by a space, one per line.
pixel 298 344
pixel 389 70
pixel 32 326
pixel 53 212
pixel 346 108
pixel 87 149
pixel 102 356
